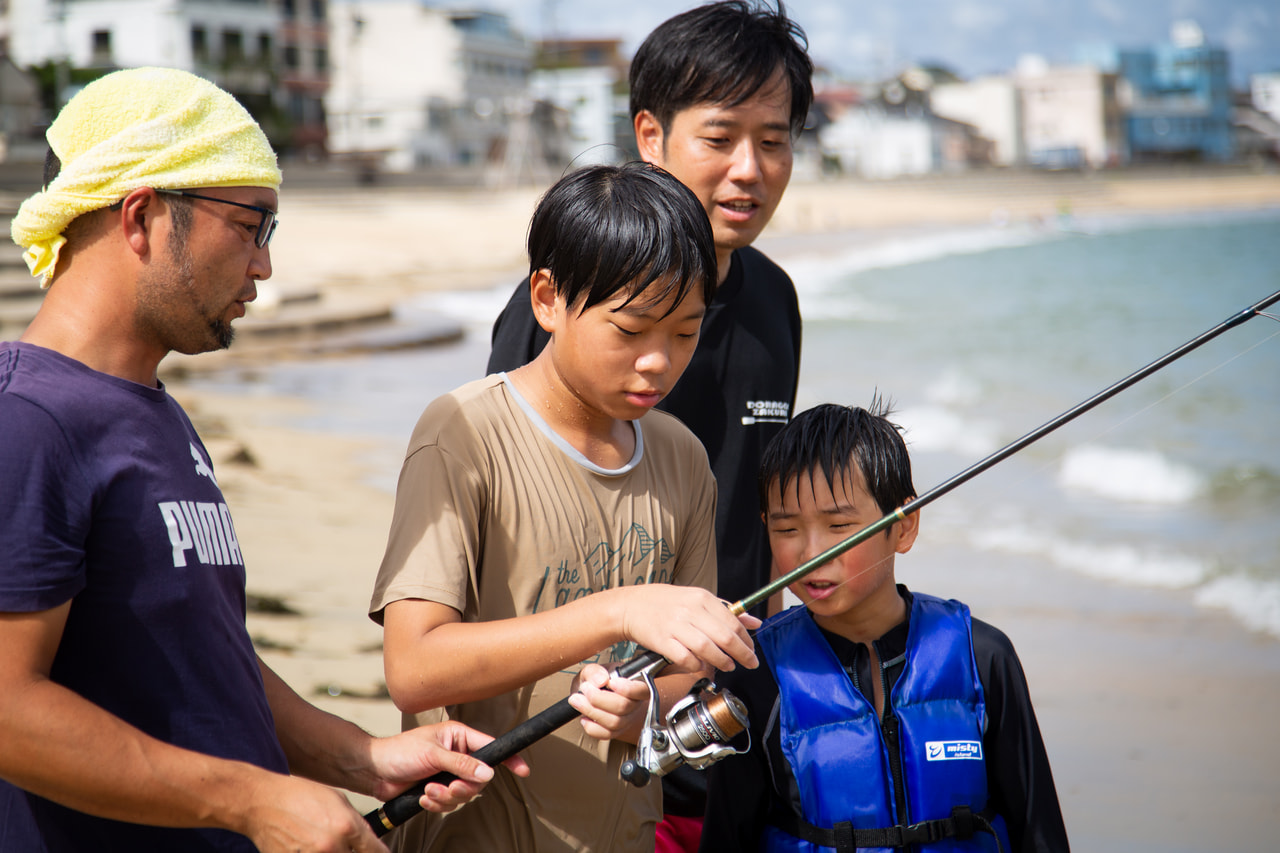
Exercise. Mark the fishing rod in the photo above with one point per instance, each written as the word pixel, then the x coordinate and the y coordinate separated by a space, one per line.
pixel 714 721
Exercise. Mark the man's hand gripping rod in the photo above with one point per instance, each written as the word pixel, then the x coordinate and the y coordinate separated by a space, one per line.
pixel 647 664
pixel 404 806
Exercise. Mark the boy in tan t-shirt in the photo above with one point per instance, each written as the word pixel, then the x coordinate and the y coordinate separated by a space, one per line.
pixel 547 521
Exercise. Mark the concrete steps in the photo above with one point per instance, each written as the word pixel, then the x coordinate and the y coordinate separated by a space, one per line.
pixel 287 320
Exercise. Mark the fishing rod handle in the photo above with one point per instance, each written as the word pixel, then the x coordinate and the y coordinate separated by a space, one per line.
pixel 402 807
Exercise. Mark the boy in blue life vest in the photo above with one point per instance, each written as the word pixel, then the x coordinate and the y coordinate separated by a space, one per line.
pixel 884 719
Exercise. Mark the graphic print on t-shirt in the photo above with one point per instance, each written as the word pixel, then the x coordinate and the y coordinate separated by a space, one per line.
pixel 202 526
pixel 202 467
pixel 638 559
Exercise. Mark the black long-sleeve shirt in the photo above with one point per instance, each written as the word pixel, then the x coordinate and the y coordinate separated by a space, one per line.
pixel 742 789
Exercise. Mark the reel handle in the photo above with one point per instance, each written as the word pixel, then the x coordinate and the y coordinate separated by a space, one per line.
pixel 634 772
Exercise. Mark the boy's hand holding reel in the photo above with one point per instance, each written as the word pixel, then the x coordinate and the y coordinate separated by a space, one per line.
pixel 697 731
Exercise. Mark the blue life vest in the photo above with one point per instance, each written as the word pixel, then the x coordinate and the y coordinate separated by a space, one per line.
pixel 834 743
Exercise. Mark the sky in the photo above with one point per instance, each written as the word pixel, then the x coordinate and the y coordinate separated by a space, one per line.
pixel 972 37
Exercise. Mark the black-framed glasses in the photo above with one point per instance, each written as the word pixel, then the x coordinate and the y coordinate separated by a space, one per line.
pixel 266 227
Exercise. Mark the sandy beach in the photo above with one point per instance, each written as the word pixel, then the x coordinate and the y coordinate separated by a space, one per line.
pixel 1159 717
pixel 402 239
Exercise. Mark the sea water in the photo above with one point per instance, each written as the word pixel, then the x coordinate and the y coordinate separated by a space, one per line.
pixel 978 336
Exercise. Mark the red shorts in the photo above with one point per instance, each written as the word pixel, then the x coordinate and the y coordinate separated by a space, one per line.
pixel 678 834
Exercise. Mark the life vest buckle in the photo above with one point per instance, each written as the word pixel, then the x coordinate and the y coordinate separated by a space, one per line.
pixel 924 832
pixel 965 822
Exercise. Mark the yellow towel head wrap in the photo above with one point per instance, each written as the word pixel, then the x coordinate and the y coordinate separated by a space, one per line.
pixel 141 127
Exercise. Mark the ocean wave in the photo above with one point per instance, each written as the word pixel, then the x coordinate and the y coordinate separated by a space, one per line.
pixel 1247 484
pixel 477 309
pixel 1127 564
pixel 816 275
pixel 954 387
pixel 1254 602
pixel 1119 223
pixel 936 428
pixel 1142 476
pixel 832 305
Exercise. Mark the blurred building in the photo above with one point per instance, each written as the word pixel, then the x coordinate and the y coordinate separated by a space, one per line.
pixel 895 132
pixel 1264 91
pixel 304 70
pixel 555 53
pixel 417 86
pixel 1071 115
pixel 270 54
pixel 587 79
pixel 232 43
pixel 1256 119
pixel 833 98
pixel 1178 99
pixel 993 105
pixel 870 143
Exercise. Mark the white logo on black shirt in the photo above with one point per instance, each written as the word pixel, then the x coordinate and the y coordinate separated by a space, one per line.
pixel 202 467
pixel 767 412
pixel 204 526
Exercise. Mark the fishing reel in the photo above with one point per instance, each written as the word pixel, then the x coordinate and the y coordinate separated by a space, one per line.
pixel 697 732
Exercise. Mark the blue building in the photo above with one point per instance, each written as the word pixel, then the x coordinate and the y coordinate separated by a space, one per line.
pixel 1180 105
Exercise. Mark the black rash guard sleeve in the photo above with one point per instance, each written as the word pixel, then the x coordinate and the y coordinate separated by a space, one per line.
pixel 517 338
pixel 1019 779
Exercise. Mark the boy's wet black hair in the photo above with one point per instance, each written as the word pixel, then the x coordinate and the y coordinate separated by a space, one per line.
pixel 605 229
pixel 838 440
pixel 721 53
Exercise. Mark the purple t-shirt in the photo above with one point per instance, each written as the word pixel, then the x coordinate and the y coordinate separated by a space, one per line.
pixel 108 499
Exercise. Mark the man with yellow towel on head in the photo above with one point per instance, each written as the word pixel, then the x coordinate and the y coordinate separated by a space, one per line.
pixel 134 713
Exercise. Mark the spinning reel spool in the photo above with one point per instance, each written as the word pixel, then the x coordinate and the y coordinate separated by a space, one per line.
pixel 697 732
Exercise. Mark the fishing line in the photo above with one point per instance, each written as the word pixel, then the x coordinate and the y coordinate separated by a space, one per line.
pixel 849 579
pixel 1052 462
pixel 1186 385
pixel 1047 465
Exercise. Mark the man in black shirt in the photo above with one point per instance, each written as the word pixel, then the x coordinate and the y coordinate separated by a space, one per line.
pixel 718 95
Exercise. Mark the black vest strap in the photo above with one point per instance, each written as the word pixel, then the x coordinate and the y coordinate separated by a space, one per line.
pixel 962 824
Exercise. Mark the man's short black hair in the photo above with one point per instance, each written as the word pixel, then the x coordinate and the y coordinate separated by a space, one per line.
pixel 605 229
pixel 721 53
pixel 838 440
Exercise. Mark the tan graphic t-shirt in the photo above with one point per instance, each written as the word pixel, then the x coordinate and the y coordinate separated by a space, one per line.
pixel 497 516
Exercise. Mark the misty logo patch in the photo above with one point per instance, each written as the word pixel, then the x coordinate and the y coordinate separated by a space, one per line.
pixel 952 750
